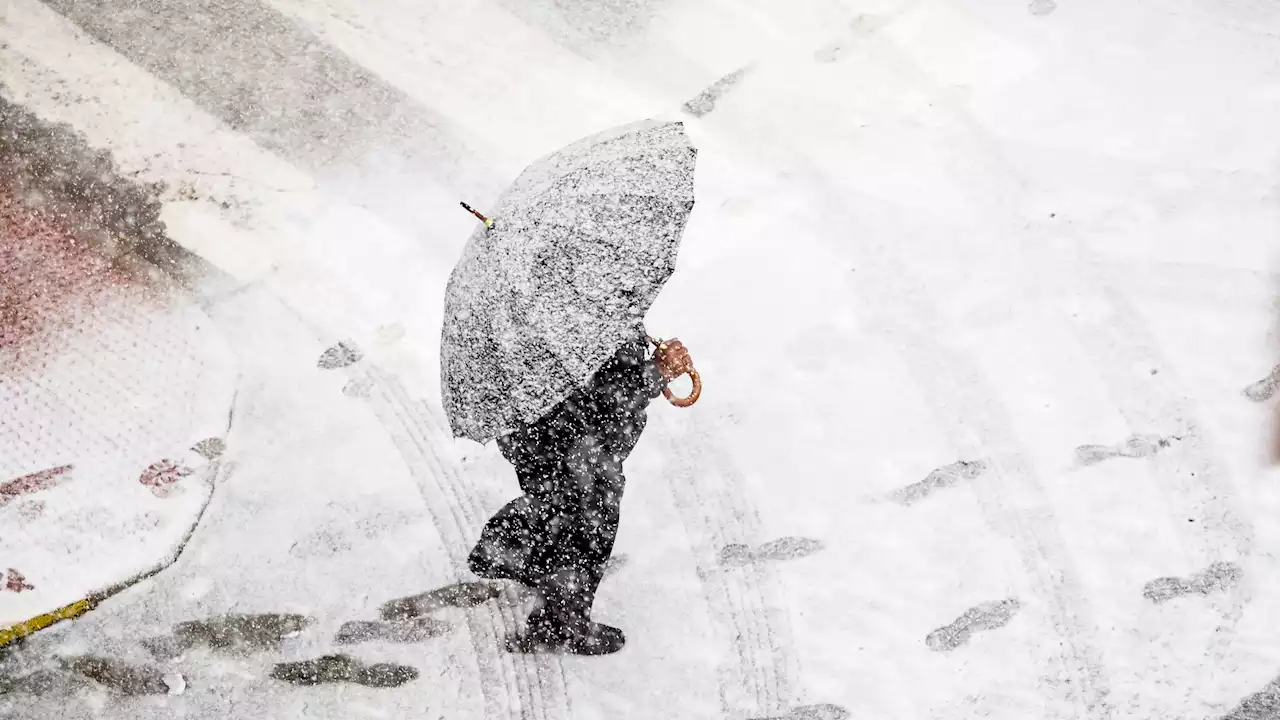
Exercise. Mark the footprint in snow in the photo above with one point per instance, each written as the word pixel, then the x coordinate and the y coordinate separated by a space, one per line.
pixel 341 355
pixel 1135 447
pixel 126 678
pixel 1217 577
pixel 939 478
pixel 987 616
pixel 1266 387
pixel 210 448
pixel 458 595
pixel 232 633
pixel 163 477
pixel 61 682
pixel 45 479
pixel 397 631
pixel 344 668
pixel 16 582
pixel 706 100
pixel 824 711
pixel 785 548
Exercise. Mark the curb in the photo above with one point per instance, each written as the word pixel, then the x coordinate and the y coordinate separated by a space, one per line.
pixel 117 219
pixel 14 633
pixel 19 631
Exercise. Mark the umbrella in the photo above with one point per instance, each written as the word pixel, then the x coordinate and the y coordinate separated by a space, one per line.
pixel 562 275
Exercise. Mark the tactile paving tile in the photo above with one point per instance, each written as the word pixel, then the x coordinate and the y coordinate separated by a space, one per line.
pixel 108 371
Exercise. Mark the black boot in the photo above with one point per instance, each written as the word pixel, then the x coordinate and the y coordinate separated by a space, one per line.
pixel 562 622
pixel 498 562
pixel 505 550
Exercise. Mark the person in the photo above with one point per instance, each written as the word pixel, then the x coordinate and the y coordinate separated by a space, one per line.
pixel 558 535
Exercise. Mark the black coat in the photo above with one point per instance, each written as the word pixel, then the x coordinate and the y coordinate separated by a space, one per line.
pixel 609 414
pixel 569 464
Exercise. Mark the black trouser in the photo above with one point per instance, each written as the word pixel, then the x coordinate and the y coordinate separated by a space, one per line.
pixel 567 518
pixel 569 463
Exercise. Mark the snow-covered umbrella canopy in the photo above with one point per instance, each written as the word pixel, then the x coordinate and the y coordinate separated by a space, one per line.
pixel 563 273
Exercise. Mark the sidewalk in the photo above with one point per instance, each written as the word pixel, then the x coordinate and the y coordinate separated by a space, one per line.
pixel 115 388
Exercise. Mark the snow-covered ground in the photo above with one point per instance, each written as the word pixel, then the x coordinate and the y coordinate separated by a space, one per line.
pixel 116 391
pixel 940 249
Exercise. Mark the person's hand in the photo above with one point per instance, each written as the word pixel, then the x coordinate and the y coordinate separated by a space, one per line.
pixel 672 359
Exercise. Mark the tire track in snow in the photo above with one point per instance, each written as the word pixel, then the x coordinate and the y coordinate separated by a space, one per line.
pixel 452 529
pixel 1115 346
pixel 747 603
pixel 1120 343
pixel 552 699
pixel 960 396
pixel 741 600
pixel 488 627
pixel 1124 340
pixel 538 681
pixel 1010 491
pixel 1200 479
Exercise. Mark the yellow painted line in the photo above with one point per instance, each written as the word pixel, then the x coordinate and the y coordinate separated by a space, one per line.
pixel 40 622
pixel 76 609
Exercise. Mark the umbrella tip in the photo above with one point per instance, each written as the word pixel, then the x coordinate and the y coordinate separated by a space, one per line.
pixel 488 222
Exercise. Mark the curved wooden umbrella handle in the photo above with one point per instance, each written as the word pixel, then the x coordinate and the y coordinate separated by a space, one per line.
pixel 692 397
